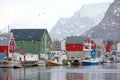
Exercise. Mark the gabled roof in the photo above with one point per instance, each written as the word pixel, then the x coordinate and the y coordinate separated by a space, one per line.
pixel 4 39
pixel 75 39
pixel 98 42
pixel 28 34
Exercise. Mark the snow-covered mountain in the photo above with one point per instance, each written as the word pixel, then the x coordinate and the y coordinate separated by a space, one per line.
pixel 88 16
pixel 109 27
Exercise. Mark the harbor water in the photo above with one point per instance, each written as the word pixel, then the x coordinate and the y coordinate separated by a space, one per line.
pixel 101 72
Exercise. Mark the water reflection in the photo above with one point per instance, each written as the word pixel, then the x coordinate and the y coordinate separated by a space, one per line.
pixel 102 72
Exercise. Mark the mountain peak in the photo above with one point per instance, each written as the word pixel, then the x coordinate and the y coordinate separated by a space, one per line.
pixel 82 20
pixel 109 27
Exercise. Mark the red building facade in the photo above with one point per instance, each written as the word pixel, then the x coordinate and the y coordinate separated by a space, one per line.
pixel 74 47
pixel 108 47
pixel 7 43
pixel 74 43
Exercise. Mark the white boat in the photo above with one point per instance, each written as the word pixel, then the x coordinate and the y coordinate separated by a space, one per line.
pixel 29 63
pixel 54 62
pixel 90 62
pixel 106 61
pixel 10 64
pixel 41 63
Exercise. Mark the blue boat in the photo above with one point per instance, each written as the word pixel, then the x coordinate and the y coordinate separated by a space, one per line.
pixel 90 62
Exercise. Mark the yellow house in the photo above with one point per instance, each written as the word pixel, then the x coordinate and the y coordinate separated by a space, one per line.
pixel 100 44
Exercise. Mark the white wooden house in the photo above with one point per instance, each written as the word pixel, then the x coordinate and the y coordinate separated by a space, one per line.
pixel 118 47
pixel 27 57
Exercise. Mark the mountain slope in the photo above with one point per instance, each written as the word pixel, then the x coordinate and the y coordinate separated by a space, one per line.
pixel 82 20
pixel 109 27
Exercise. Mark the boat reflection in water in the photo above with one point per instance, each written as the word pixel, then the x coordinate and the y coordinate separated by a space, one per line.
pixel 100 72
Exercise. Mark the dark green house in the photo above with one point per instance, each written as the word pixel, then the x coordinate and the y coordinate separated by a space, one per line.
pixel 35 41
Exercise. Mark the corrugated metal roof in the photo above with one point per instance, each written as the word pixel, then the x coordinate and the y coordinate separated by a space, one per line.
pixel 4 39
pixel 28 34
pixel 75 40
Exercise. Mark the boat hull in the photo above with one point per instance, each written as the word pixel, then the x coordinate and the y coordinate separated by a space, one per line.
pixel 50 63
pixel 89 62
pixel 29 63
pixel 75 63
pixel 41 63
pixel 10 64
pixel 85 63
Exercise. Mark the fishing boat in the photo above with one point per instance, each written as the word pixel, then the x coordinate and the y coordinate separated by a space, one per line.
pixel 75 63
pixel 41 63
pixel 93 60
pixel 29 63
pixel 90 62
pixel 10 64
pixel 54 62
pixel 106 61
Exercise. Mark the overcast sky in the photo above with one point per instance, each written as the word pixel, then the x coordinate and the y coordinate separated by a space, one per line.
pixel 38 13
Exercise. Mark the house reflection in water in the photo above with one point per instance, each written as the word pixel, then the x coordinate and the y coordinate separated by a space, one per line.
pixel 74 76
pixel 36 73
pixel 7 74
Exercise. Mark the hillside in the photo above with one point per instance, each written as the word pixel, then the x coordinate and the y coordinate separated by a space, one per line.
pixel 82 20
pixel 109 27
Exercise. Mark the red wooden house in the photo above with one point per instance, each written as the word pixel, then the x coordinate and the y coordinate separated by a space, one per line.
pixel 74 46
pixel 102 45
pixel 88 45
pixel 108 46
pixel 7 43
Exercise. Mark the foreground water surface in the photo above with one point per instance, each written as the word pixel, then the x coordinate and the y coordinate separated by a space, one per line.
pixel 101 72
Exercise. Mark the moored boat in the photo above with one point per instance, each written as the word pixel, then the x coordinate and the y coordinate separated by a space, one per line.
pixel 76 62
pixel 10 64
pixel 41 63
pixel 54 62
pixel 90 62
pixel 29 63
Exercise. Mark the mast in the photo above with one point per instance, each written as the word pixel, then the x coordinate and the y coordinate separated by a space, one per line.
pixel 8 28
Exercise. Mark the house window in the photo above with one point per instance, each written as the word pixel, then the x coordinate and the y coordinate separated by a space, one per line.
pixel 21 42
pixel 33 42
pixel 34 49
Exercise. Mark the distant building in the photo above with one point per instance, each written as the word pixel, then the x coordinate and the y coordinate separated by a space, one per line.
pixel 26 57
pixel 35 41
pixel 108 45
pixel 75 46
pixel 63 47
pixel 88 45
pixel 7 44
pixel 80 46
pixel 99 45
pixel 56 45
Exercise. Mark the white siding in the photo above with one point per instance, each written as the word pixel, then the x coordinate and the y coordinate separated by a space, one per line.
pixel 118 47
